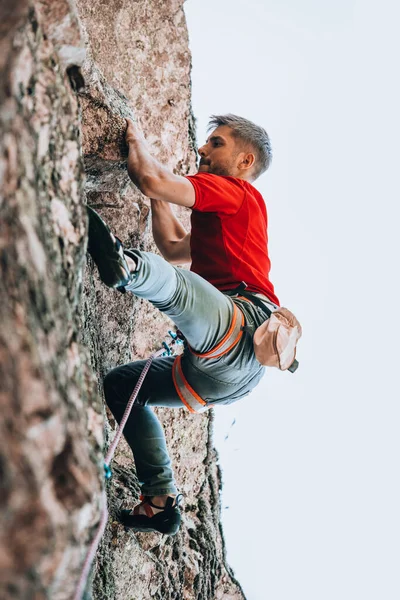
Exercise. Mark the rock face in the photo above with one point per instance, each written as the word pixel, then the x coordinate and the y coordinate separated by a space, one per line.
pixel 70 73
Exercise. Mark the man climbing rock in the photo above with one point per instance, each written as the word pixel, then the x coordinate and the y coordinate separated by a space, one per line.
pixel 210 305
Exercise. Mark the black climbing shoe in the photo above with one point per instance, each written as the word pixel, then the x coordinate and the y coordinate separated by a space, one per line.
pixel 167 521
pixel 107 252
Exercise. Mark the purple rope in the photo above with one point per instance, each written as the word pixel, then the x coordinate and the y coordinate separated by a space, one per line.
pixel 104 515
pixel 92 550
pixel 128 409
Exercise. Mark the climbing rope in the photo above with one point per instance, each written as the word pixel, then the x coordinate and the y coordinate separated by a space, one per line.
pixel 166 350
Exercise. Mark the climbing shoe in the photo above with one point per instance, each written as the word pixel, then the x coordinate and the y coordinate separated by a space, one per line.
pixel 166 521
pixel 107 252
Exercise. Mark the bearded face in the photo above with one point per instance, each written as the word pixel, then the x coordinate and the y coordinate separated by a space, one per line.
pixel 221 154
pixel 219 166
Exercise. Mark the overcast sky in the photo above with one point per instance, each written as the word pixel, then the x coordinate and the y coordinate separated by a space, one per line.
pixel 311 463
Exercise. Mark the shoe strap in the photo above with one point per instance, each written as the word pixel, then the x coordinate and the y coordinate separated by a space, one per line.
pixel 170 503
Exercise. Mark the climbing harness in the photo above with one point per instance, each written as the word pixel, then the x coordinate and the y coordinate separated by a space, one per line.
pixel 166 350
pixel 274 343
pixel 193 402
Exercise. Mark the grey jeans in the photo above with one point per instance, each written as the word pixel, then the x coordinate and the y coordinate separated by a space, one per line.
pixel 203 314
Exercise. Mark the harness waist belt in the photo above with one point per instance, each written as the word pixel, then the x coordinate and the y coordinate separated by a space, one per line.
pixel 259 300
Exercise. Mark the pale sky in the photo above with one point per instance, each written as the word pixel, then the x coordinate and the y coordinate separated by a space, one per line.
pixel 311 464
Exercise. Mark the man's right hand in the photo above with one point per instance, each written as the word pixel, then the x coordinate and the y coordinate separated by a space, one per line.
pixel 152 178
pixel 133 132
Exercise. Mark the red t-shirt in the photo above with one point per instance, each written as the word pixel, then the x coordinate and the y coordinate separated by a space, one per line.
pixel 229 241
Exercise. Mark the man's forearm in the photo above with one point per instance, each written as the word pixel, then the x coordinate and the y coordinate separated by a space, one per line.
pixel 152 178
pixel 167 230
pixel 142 167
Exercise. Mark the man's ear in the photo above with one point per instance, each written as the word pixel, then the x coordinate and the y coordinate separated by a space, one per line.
pixel 247 161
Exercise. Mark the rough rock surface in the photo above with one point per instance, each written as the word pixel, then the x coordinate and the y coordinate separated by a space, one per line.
pixel 70 73
pixel 49 452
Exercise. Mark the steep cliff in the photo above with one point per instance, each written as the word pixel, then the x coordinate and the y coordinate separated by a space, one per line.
pixel 70 73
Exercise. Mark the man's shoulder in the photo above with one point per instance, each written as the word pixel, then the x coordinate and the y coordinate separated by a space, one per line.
pixel 226 179
pixel 218 181
pixel 204 176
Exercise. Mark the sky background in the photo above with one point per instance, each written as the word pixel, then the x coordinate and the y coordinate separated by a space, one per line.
pixel 311 490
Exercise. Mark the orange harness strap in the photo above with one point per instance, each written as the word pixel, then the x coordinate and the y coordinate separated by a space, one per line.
pixel 229 340
pixel 192 401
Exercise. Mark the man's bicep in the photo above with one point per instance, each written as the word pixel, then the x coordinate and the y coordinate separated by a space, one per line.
pixel 171 188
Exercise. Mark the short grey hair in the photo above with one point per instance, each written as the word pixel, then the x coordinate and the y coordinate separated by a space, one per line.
pixel 250 133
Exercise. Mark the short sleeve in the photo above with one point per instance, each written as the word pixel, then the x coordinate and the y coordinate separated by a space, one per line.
pixel 215 193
